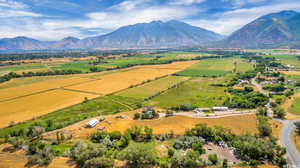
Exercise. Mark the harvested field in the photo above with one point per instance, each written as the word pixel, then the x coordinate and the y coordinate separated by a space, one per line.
pixel 23 90
pixel 118 81
pixel 296 139
pixel 28 107
pixel 15 160
pixel 177 124
pixel 276 128
pixel 152 88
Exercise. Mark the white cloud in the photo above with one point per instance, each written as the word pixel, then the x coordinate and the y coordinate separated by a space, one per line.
pixel 116 19
pixel 186 2
pixel 17 13
pixel 12 4
pixel 228 22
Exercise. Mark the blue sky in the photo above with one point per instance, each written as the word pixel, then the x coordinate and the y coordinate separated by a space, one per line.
pixel 56 19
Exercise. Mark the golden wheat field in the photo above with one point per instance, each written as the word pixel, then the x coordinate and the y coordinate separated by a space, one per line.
pixel 22 90
pixel 122 80
pixel 28 107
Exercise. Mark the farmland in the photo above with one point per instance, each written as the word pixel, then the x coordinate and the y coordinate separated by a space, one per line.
pixel 32 106
pixel 216 67
pixel 27 99
pixel 295 107
pixel 122 80
pixel 152 88
pixel 196 91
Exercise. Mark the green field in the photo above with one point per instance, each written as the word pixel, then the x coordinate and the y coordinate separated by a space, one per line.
pixel 70 115
pixel 216 67
pixel 196 91
pixel 295 108
pixel 121 62
pixel 152 88
pixel 287 59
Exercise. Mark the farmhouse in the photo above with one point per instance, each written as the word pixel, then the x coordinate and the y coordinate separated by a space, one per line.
pixel 92 123
pixel 201 110
pixel 220 108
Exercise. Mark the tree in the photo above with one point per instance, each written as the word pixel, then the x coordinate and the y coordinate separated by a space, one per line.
pixel 225 163
pixel 137 116
pixel 139 155
pixel 99 162
pixel 213 158
pixel 265 129
pixel 279 112
pixel 189 160
pixel 148 133
pixel 263 111
pixel 42 157
pixel 35 131
pixel 297 124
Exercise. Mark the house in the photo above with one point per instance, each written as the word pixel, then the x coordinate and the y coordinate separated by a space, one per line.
pixel 92 123
pixel 220 108
pixel 201 110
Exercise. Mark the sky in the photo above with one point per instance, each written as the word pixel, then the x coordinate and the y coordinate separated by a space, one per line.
pixel 56 19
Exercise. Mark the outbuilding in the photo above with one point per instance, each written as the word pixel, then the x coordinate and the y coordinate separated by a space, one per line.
pixel 92 123
pixel 201 110
pixel 220 108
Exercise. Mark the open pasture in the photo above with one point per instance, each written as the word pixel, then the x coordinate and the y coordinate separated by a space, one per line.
pixel 215 67
pixel 152 88
pixel 295 106
pixel 118 81
pixel 196 91
pixel 28 107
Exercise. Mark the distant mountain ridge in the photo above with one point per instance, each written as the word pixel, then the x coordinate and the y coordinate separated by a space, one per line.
pixel 155 34
pixel 275 30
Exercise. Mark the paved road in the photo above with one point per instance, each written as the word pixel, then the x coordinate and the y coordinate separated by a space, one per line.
pixel 286 131
pixel 287 142
pixel 262 91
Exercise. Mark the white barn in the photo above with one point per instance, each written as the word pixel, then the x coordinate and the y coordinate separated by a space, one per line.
pixel 92 123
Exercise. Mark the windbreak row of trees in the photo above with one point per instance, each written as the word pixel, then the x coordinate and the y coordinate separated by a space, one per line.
pixel 12 75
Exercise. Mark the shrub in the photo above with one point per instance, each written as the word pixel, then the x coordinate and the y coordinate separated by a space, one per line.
pixel 139 155
pixel 137 116
pixel 213 158
pixel 99 162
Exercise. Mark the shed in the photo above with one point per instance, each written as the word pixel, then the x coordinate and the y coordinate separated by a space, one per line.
pixel 201 110
pixel 220 108
pixel 92 123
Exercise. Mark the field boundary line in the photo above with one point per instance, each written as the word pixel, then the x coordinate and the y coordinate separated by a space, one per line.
pixel 123 104
pixel 74 84
pixel 81 91
pixel 35 93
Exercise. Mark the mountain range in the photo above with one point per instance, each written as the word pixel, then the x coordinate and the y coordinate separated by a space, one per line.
pixel 156 34
pixel 276 30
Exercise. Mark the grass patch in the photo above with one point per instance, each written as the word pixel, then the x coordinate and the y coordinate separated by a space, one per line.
pixel 295 107
pixel 196 91
pixel 216 67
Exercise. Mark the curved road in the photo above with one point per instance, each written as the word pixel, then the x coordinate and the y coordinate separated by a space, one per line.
pixel 285 133
pixel 287 142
